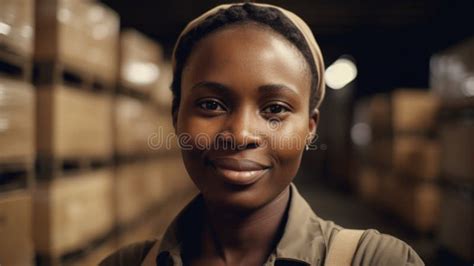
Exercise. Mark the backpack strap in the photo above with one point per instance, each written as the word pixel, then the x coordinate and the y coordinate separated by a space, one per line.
pixel 343 247
pixel 150 259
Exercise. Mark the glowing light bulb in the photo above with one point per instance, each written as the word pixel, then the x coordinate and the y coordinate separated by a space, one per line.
pixel 340 73
pixel 141 73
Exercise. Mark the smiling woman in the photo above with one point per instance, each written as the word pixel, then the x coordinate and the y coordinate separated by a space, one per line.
pixel 249 77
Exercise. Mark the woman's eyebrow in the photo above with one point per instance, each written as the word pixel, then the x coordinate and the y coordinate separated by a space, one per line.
pixel 277 88
pixel 264 89
pixel 210 85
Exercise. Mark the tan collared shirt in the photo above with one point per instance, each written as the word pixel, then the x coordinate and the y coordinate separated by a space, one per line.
pixel 305 241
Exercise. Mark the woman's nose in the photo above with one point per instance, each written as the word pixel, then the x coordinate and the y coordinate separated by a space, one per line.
pixel 242 130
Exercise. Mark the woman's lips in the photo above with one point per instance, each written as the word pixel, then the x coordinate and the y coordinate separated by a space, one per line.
pixel 239 171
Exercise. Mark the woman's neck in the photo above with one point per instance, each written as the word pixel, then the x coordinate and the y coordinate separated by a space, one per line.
pixel 234 236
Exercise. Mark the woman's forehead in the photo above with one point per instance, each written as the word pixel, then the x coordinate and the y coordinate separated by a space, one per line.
pixel 247 54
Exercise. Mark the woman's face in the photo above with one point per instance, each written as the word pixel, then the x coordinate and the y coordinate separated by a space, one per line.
pixel 243 115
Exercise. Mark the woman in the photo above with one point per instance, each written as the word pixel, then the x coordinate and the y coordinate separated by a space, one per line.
pixel 248 81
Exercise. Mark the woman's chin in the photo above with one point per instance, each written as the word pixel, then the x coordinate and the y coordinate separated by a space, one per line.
pixel 238 201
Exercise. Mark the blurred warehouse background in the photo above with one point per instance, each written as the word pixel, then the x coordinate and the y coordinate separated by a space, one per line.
pixel 84 91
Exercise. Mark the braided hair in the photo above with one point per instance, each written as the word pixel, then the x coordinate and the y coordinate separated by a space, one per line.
pixel 240 14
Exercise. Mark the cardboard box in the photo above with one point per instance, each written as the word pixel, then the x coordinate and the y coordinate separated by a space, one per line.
pixel 174 169
pixel 451 69
pixel 167 176
pixel 414 111
pixel 380 116
pixel 17 121
pixel 154 225
pixel 140 61
pixel 456 228
pixel 83 35
pixel 389 192
pixel 161 93
pixel 157 183
pixel 419 205
pixel 381 153
pixel 141 128
pixel 457 145
pixel 17 26
pixel 416 157
pixel 74 123
pixel 144 185
pixel 131 199
pixel 368 184
pixel 16 247
pixel 72 211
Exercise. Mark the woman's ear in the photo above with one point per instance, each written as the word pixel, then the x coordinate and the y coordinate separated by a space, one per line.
pixel 313 122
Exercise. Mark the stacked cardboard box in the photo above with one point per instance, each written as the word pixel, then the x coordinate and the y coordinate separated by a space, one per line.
pixel 161 93
pixel 402 168
pixel 131 199
pixel 17 26
pixel 144 185
pixel 68 28
pixel 143 118
pixel 141 128
pixel 17 116
pixel 457 223
pixel 76 58
pixel 72 211
pixel 150 175
pixel 81 128
pixel 74 123
pixel 451 71
pixel 416 157
pixel 451 78
pixel 168 189
pixel 374 153
pixel 140 61
pixel 16 247
pixel 17 132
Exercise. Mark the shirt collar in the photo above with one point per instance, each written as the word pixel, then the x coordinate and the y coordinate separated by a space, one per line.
pixel 302 242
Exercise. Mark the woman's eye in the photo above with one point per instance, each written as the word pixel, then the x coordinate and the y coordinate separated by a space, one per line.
pixel 210 105
pixel 275 109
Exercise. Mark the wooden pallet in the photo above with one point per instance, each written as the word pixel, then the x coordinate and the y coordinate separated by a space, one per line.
pixel 136 94
pixel 18 174
pixel 51 168
pixel 58 73
pixel 120 159
pixel 93 252
pixel 14 65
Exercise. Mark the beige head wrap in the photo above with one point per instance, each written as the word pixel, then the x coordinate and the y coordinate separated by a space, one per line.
pixel 297 21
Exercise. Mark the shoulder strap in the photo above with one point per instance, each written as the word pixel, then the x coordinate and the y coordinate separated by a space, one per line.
pixel 150 259
pixel 342 249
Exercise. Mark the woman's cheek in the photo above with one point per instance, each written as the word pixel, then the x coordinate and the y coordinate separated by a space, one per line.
pixel 289 139
pixel 199 132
